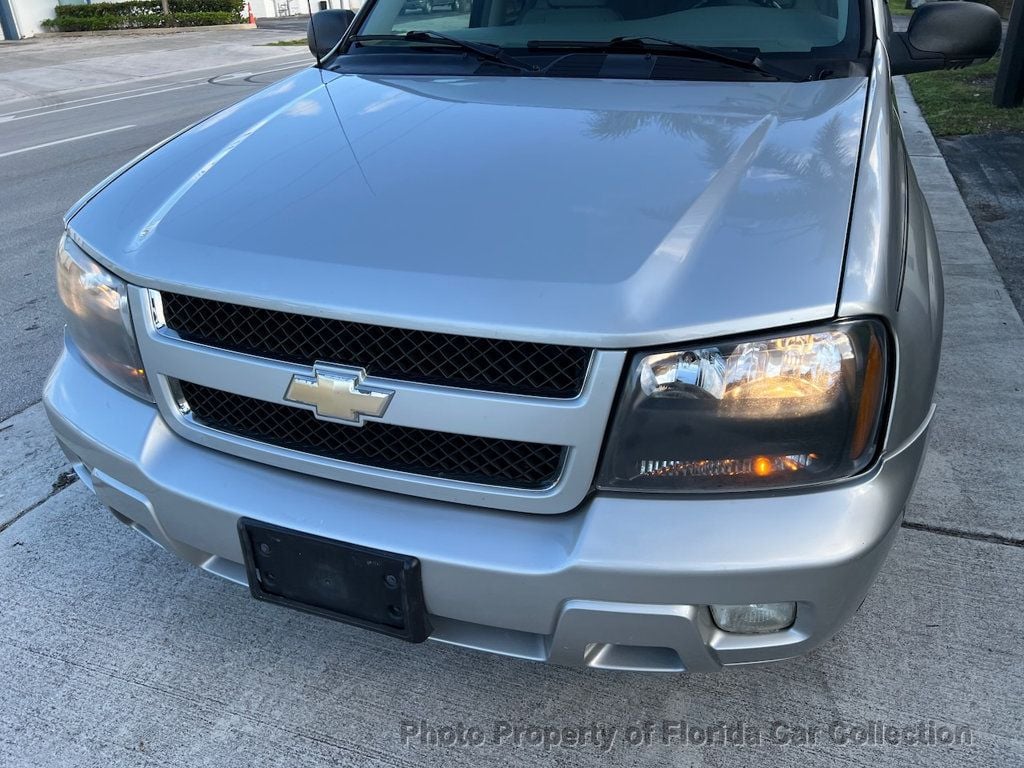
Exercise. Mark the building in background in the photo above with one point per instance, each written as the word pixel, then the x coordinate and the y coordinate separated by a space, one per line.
pixel 275 8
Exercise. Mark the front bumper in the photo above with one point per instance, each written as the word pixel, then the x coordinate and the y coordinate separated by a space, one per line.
pixel 621 582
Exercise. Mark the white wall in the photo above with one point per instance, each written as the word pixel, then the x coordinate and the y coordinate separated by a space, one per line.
pixel 31 14
pixel 263 8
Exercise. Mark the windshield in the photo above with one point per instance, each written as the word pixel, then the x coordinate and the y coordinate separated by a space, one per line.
pixel 821 29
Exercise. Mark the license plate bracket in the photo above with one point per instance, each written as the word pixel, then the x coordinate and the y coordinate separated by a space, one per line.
pixel 369 588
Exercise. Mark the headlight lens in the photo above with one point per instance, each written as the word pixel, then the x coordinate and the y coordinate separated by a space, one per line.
pixel 752 413
pixel 99 321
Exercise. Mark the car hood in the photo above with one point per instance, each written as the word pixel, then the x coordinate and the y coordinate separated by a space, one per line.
pixel 611 213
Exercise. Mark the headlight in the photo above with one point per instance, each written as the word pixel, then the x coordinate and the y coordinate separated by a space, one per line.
pixel 99 321
pixel 751 413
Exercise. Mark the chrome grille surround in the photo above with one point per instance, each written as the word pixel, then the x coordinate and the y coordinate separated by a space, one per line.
pixel 577 424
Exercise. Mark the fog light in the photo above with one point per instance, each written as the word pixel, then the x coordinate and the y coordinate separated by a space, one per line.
pixel 754 619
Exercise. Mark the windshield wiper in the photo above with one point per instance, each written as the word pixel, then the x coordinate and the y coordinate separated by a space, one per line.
pixel 492 53
pixel 662 47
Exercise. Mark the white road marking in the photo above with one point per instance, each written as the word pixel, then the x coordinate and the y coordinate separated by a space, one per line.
pixel 7 119
pixel 10 115
pixel 65 141
pixel 108 98
pixel 70 91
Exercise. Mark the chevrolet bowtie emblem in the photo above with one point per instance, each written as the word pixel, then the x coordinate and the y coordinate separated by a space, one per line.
pixel 338 394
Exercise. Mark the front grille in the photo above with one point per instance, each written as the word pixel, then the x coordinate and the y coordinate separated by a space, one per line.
pixel 546 370
pixel 375 444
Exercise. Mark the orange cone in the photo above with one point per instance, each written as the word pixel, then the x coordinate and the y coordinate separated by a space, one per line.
pixel 252 18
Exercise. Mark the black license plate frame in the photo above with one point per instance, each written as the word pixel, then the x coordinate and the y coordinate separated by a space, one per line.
pixel 369 588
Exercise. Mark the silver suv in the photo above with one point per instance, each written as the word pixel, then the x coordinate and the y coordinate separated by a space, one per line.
pixel 599 332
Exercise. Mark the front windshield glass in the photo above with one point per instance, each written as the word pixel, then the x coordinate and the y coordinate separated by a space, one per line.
pixel 827 29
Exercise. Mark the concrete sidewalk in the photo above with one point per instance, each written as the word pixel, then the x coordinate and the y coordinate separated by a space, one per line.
pixel 972 481
pixel 112 652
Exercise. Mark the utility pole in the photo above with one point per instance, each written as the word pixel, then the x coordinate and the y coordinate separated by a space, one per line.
pixel 8 23
pixel 1009 91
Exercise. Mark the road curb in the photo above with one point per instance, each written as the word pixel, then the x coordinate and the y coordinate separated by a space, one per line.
pixel 137 32
pixel 970 481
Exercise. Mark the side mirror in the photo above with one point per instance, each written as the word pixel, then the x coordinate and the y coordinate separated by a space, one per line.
pixel 325 29
pixel 946 35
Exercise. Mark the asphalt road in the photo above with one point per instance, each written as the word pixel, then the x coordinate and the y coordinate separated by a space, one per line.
pixel 55 147
pixel 295 24
pixel 989 170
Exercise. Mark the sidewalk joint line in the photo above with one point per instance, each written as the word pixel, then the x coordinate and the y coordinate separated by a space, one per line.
pixel 58 486
pixel 19 412
pixel 987 538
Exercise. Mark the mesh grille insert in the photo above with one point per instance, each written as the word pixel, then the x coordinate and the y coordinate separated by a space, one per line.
pixel 418 451
pixel 546 370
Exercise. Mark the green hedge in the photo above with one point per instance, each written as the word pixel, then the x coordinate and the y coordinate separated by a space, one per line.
pixel 144 14
pixel 205 18
pixel 149 7
pixel 94 23
pixel 206 6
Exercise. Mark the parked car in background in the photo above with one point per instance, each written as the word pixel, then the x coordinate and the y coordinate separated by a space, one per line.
pixel 428 6
pixel 598 332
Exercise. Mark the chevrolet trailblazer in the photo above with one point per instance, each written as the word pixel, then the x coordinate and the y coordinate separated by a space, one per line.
pixel 598 332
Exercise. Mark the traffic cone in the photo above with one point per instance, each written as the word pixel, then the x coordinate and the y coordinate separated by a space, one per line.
pixel 252 18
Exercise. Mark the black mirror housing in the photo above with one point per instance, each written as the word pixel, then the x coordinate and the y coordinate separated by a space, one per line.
pixel 946 35
pixel 325 29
